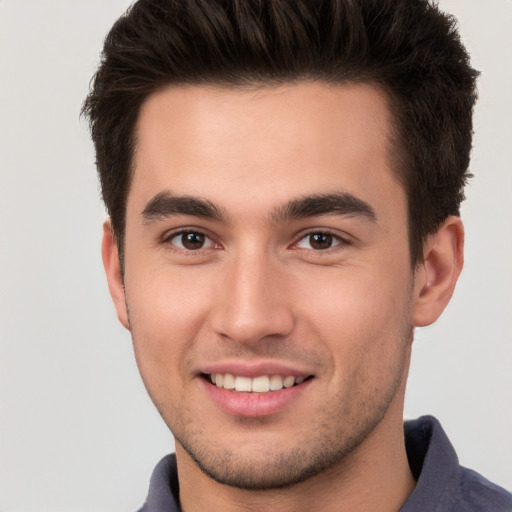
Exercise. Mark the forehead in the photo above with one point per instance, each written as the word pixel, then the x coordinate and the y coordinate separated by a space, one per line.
pixel 272 142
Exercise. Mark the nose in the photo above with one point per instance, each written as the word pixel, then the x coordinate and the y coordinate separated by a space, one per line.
pixel 254 304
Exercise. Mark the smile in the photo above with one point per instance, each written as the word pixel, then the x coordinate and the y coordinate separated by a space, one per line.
pixel 254 391
pixel 261 384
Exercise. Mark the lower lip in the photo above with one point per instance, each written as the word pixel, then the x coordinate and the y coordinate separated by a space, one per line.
pixel 254 405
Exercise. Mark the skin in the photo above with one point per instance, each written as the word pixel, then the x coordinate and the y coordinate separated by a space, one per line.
pixel 259 292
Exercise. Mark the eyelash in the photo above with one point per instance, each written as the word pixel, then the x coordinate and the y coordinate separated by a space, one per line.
pixel 167 239
pixel 339 241
pixel 336 238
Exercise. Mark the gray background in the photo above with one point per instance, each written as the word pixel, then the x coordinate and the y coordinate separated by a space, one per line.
pixel 77 432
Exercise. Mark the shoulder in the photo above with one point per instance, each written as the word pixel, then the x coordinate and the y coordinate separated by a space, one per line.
pixel 442 484
pixel 476 493
pixel 163 491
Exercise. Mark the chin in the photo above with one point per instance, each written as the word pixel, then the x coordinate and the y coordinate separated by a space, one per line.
pixel 271 468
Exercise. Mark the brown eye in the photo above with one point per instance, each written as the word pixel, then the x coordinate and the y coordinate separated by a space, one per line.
pixel 318 241
pixel 191 241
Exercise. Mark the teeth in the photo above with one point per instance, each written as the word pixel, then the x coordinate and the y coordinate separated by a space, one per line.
pixel 261 384
pixel 242 384
pixel 288 382
pixel 229 381
pixel 276 382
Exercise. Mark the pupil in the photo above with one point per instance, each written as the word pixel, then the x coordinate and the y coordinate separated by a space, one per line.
pixel 192 240
pixel 320 241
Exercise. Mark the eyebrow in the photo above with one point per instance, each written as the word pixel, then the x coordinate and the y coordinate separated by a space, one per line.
pixel 342 203
pixel 165 204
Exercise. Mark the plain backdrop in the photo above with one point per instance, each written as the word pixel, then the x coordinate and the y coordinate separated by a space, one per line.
pixel 77 431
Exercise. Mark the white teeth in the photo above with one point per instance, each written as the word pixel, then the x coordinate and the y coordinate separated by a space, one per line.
pixel 261 384
pixel 276 382
pixel 229 381
pixel 243 384
pixel 288 382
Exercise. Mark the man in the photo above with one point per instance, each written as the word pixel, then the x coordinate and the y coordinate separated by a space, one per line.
pixel 283 181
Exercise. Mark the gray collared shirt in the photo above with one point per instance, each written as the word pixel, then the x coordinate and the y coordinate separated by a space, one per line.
pixel 442 484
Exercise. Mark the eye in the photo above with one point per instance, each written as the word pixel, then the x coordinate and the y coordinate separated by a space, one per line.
pixel 318 241
pixel 191 240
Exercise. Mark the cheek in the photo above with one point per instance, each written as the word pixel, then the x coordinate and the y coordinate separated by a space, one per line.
pixel 167 313
pixel 359 314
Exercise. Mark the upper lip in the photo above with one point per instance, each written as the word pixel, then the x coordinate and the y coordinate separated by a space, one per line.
pixel 253 369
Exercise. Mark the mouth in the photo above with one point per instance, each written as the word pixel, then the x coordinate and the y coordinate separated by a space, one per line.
pixel 259 384
pixel 254 390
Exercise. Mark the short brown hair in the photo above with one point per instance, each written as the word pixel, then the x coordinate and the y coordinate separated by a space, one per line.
pixel 407 47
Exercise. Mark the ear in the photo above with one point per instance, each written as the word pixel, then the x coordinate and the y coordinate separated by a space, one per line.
pixel 112 266
pixel 436 277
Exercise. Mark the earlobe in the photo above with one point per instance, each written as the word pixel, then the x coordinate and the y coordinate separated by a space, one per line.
pixel 112 267
pixel 436 277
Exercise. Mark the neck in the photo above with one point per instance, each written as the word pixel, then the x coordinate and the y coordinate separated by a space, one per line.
pixel 375 476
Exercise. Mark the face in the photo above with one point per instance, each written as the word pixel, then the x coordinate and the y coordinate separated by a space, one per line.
pixel 266 251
